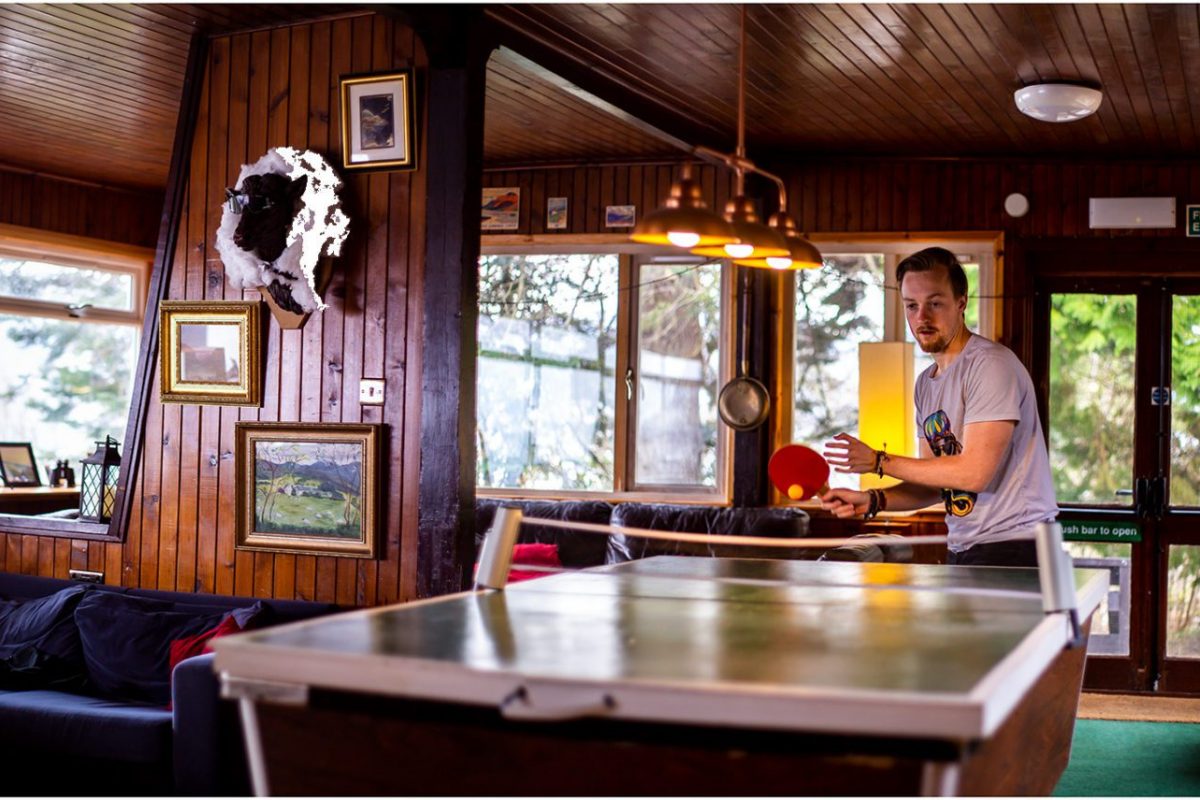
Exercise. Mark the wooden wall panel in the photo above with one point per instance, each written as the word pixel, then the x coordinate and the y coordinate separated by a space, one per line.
pixel 270 88
pixel 589 189
pixel 873 195
pixel 79 209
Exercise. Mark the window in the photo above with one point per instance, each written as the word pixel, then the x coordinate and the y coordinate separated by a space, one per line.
pixel 69 328
pixel 852 300
pixel 599 372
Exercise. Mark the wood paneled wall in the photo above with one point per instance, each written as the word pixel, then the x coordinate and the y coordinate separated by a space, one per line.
pixel 875 195
pixel 79 209
pixel 265 89
pixel 589 189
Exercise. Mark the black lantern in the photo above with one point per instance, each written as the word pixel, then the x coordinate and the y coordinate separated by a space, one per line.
pixel 98 484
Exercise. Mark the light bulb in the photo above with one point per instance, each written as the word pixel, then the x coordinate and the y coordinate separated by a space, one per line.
pixel 779 262
pixel 683 238
pixel 739 250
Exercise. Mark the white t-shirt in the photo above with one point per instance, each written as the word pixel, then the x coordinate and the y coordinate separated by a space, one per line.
pixel 987 383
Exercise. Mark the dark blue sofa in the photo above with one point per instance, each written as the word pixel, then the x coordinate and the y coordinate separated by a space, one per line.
pixel 76 737
pixel 578 550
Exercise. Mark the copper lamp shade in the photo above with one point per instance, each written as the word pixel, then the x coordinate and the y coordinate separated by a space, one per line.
pixel 754 240
pixel 802 254
pixel 684 220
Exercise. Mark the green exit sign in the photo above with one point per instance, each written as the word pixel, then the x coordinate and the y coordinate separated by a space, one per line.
pixel 1078 530
pixel 1193 220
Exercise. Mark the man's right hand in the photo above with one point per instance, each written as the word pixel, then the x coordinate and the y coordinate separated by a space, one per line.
pixel 845 502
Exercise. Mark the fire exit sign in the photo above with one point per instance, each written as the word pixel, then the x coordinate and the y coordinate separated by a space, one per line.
pixel 1193 220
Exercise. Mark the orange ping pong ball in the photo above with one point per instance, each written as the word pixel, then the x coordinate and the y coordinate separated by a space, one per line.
pixel 796 492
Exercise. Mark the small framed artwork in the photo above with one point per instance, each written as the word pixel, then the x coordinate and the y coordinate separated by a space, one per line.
pixel 556 214
pixel 619 216
pixel 18 467
pixel 377 121
pixel 209 352
pixel 307 488
pixel 501 208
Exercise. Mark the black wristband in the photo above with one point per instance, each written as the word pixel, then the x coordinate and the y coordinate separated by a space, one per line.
pixel 872 504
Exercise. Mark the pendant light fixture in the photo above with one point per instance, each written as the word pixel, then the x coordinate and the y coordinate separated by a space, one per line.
pixel 755 240
pixel 685 220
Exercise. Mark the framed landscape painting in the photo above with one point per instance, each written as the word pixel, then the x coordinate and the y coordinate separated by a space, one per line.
pixel 209 352
pixel 309 488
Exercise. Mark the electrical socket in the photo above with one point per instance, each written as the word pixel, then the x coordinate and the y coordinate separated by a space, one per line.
pixel 86 576
pixel 370 392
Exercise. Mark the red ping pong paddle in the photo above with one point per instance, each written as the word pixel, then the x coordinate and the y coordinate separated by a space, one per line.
pixel 798 471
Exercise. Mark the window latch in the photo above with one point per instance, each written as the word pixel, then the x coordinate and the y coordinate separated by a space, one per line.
pixel 629 383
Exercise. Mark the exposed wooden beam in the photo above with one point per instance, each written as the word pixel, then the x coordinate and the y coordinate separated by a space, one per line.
pixel 591 77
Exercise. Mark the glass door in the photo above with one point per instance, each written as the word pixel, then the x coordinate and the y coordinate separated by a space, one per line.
pixel 1125 454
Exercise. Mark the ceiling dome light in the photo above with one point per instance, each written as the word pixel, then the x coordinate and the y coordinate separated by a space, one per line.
pixel 1057 102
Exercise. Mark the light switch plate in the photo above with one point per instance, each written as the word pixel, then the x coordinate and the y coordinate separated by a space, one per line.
pixel 370 392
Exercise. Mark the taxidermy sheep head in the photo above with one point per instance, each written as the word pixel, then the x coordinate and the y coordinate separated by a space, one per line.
pixel 282 215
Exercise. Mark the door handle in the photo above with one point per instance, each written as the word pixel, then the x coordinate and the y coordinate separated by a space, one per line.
pixel 1141 496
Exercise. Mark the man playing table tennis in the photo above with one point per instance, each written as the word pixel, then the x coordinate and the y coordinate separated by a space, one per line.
pixel 982 436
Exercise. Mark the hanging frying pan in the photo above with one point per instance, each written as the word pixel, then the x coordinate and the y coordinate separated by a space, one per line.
pixel 744 402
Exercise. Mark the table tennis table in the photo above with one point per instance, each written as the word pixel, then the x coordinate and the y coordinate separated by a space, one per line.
pixel 675 675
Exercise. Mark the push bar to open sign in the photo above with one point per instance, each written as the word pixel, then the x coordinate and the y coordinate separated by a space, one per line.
pixel 1075 530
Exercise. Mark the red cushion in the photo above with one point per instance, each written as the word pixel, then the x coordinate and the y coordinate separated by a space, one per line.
pixel 199 644
pixel 536 554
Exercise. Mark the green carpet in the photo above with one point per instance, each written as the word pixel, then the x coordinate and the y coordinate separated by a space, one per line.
pixel 1138 759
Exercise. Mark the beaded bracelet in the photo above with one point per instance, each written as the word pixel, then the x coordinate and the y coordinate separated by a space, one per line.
pixel 880 457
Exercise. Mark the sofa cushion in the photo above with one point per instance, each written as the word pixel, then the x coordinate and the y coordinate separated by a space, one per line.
pixel 772 522
pixel 133 665
pixel 532 555
pixel 575 549
pixel 39 644
pixel 77 725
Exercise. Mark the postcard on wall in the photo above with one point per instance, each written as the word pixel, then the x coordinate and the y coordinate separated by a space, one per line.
pixel 556 214
pixel 619 216
pixel 501 209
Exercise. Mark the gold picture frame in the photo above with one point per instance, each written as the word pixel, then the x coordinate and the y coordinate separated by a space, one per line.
pixel 308 488
pixel 210 352
pixel 377 121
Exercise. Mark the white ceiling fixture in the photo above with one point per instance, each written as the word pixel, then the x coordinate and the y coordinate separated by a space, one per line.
pixel 1057 102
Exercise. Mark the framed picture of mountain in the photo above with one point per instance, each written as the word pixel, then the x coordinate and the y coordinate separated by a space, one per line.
pixel 309 488
pixel 501 208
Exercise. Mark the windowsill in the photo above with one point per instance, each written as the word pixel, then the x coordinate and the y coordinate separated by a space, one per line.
pixel 49 526
pixel 675 498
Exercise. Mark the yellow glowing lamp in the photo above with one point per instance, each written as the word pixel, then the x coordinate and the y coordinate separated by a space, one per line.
pixel 886 415
pixel 684 221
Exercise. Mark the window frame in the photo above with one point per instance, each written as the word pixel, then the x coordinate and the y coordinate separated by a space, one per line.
pixel 988 245
pixel 88 253
pixel 81 253
pixel 625 487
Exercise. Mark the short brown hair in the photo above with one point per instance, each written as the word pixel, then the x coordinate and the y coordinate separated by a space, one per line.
pixel 931 258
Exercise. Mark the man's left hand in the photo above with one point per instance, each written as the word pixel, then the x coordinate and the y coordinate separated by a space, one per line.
pixel 847 454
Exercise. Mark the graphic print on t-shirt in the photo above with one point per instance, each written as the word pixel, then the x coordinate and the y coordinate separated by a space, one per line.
pixel 942 441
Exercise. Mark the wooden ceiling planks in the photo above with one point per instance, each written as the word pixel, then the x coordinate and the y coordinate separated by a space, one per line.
pixel 932 80
pixel 91 92
pixel 522 107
